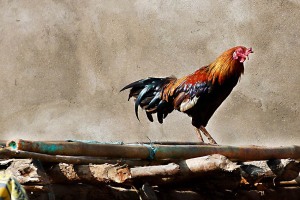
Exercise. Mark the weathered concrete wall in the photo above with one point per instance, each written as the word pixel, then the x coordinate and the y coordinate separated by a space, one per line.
pixel 63 62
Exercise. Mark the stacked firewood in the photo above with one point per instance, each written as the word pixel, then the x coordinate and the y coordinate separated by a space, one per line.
pixel 92 170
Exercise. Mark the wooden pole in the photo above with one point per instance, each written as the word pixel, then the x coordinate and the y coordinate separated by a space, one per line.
pixel 150 152
pixel 10 153
pixel 81 149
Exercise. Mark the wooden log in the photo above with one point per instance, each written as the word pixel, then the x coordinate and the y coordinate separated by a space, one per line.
pixel 207 171
pixel 81 149
pixel 92 174
pixel 27 171
pixel 159 170
pixel 10 153
pixel 202 165
pixel 105 173
pixel 158 152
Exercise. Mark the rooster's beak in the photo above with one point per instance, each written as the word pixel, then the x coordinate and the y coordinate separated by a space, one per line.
pixel 250 50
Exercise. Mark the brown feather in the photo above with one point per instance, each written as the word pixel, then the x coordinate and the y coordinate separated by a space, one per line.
pixel 179 99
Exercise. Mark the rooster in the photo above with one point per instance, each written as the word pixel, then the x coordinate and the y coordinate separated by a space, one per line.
pixel 198 94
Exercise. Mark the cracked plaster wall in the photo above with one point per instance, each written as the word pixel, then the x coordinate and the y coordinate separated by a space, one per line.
pixel 63 62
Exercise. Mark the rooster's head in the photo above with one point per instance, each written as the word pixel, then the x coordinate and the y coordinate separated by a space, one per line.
pixel 241 53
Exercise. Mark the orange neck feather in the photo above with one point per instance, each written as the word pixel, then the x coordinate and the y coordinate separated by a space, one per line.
pixel 225 67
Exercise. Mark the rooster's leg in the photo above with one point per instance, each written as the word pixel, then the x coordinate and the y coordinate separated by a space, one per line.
pixel 205 132
pixel 199 135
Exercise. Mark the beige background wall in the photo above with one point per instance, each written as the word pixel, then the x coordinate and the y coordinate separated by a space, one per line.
pixel 63 63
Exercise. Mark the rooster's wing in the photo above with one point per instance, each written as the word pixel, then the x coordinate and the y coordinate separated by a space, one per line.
pixel 186 92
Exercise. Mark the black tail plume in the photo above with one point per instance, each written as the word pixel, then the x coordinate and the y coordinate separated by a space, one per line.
pixel 147 94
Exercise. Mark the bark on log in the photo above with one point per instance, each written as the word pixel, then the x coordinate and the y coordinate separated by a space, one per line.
pixel 27 171
pixel 206 164
pixel 159 170
pixel 104 173
pixel 156 151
